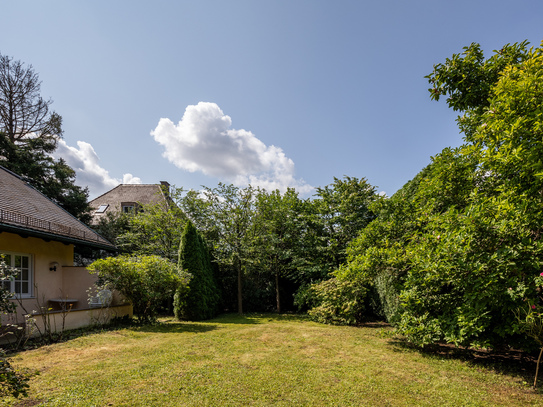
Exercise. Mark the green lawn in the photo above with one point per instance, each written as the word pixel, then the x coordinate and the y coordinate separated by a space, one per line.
pixel 259 361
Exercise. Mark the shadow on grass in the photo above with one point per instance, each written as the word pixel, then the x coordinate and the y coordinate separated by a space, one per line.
pixel 257 318
pixel 170 327
pixel 514 363
pixel 374 325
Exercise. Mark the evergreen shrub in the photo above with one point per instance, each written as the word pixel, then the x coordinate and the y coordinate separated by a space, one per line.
pixel 203 297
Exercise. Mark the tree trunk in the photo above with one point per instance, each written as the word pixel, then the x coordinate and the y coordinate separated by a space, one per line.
pixel 277 296
pixel 240 297
pixel 537 367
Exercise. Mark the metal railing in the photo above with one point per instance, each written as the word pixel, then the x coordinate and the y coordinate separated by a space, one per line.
pixel 47 226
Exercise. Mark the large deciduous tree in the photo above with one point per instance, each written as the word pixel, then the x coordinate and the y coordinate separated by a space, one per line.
pixel 224 215
pixel 24 114
pixel 279 227
pixel 29 133
pixel 344 210
pixel 155 230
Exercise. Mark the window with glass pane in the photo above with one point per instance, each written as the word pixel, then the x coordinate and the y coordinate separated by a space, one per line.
pixel 22 283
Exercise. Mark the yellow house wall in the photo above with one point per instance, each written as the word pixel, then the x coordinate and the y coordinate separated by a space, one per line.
pixel 67 281
pixel 75 283
pixel 43 253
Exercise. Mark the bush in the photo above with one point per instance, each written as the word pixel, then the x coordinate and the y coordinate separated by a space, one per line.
pixel 12 382
pixel 336 301
pixel 6 274
pixel 145 281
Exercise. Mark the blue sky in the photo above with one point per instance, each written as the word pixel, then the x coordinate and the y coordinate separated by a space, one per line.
pixel 293 92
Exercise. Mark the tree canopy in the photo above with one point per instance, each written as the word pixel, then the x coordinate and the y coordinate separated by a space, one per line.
pixel 457 252
pixel 29 133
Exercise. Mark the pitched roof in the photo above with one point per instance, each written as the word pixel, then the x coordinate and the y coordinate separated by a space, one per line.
pixel 142 194
pixel 26 211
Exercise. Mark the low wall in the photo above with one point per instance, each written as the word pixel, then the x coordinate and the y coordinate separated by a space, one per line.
pixel 78 318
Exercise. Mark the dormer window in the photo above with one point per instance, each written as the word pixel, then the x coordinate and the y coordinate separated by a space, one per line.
pixel 102 209
pixel 128 207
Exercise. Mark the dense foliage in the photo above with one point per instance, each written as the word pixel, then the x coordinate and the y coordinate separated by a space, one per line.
pixel 145 281
pixel 335 301
pixel 268 245
pixel 154 230
pixel 456 253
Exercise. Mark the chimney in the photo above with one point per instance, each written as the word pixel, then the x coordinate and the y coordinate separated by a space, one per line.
pixel 165 187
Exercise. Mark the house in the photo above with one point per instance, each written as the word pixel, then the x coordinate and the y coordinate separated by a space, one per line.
pixel 127 198
pixel 37 237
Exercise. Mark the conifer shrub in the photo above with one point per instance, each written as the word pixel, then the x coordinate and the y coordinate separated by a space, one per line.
pixel 203 297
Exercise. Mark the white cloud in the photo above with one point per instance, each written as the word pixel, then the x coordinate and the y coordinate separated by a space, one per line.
pixel 88 171
pixel 203 141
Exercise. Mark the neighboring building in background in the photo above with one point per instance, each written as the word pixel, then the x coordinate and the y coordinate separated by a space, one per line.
pixel 128 198
pixel 37 237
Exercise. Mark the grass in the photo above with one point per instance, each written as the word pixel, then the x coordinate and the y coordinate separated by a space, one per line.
pixel 260 360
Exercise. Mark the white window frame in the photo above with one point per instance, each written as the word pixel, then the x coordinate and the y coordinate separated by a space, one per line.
pixel 102 208
pixel 18 278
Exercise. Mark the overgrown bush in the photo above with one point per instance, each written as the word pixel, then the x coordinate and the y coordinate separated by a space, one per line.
pixel 145 281
pixel 12 382
pixel 337 302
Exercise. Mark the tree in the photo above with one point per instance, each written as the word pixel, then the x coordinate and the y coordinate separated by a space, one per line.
pixel 155 230
pixel 7 274
pixel 224 215
pixel 474 263
pixel 24 114
pixel 278 231
pixel 29 133
pixel 467 80
pixel 343 209
pixel 455 253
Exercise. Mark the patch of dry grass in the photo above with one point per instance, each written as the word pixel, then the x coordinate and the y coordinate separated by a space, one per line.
pixel 259 361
